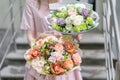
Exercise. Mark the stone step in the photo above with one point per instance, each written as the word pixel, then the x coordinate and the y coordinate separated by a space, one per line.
pixel 89 57
pixel 87 54
pixel 17 55
pixel 88 72
pixel 93 57
pixel 94 73
pixel 22 39
pixel 93 53
pixel 12 71
pixel 91 37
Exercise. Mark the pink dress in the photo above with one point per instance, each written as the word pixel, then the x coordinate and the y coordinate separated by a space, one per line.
pixel 33 19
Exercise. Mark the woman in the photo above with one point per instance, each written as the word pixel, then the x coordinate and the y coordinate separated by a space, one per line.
pixel 34 23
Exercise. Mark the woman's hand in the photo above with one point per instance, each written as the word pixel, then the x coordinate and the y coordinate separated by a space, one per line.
pixel 77 37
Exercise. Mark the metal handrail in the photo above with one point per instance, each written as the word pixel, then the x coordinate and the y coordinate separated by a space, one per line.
pixel 7 14
pixel 9 29
pixel 110 29
pixel 117 37
pixel 7 49
pixel 116 28
pixel 6 34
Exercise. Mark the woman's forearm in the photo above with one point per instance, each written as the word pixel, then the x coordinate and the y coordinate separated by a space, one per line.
pixel 31 37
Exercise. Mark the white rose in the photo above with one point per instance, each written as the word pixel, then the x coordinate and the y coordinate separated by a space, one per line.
pixel 53 38
pixel 72 17
pixel 68 20
pixel 53 53
pixel 69 27
pixel 27 56
pixel 35 64
pixel 77 20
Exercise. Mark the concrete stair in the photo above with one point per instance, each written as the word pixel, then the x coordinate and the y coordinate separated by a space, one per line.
pixel 93 58
pixel 88 72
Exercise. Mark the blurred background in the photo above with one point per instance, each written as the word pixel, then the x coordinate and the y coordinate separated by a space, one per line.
pixel 101 46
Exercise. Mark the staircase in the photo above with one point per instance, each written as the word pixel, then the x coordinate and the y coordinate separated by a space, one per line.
pixel 93 56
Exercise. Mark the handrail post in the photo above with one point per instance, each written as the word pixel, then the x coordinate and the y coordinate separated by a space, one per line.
pixel 12 25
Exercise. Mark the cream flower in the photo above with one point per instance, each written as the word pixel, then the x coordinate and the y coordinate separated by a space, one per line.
pixel 53 38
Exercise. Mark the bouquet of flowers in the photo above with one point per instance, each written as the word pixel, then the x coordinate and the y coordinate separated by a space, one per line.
pixel 73 19
pixel 53 55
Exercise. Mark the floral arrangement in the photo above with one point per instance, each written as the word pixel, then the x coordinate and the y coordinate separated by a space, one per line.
pixel 53 55
pixel 73 18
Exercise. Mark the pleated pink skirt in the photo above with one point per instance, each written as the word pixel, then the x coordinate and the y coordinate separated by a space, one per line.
pixel 31 74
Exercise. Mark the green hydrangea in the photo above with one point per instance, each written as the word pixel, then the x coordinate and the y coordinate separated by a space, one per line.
pixel 90 20
pixel 56 27
pixel 83 26
pixel 76 29
pixel 62 14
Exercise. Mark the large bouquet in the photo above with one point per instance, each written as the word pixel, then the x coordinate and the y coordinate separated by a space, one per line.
pixel 73 19
pixel 53 55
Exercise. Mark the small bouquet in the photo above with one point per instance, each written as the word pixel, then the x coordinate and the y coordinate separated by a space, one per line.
pixel 53 55
pixel 72 19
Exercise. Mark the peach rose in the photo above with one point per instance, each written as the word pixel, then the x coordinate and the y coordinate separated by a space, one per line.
pixel 76 58
pixel 34 53
pixel 58 47
pixel 57 68
pixel 68 64
pixel 39 43
pixel 69 47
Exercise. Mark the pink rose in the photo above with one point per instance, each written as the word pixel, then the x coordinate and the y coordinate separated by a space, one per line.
pixel 72 12
pixel 76 58
pixel 40 63
pixel 58 47
pixel 52 59
pixel 59 57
